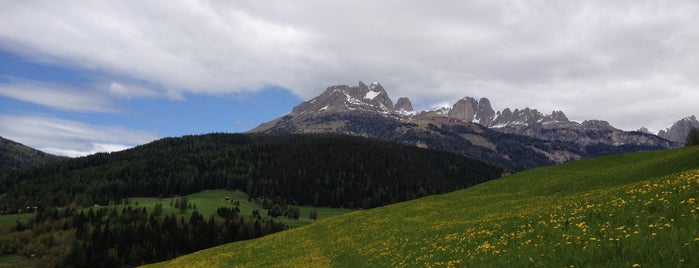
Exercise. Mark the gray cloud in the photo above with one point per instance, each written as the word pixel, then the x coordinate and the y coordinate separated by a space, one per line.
pixel 70 138
pixel 633 63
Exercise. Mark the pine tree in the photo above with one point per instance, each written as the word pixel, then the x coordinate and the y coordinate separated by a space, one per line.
pixel 693 137
pixel 182 205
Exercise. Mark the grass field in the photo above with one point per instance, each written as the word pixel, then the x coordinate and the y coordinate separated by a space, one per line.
pixel 15 261
pixel 10 221
pixel 633 210
pixel 207 202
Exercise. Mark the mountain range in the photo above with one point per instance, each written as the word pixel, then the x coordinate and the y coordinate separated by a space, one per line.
pixel 517 139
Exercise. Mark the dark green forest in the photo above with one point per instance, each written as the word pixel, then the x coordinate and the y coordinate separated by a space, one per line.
pixel 14 155
pixel 318 169
pixel 692 137
pixel 111 237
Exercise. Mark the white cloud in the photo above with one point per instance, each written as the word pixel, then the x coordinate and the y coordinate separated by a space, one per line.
pixel 97 97
pixel 70 138
pixel 129 91
pixel 56 96
pixel 517 53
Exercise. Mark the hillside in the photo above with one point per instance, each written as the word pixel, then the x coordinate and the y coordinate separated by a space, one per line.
pixel 320 170
pixel 14 155
pixel 626 210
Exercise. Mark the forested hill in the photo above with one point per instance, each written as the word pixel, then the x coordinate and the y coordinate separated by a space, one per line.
pixel 14 155
pixel 318 169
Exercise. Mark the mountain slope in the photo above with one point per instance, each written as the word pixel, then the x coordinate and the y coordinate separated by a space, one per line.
pixel 616 211
pixel 14 155
pixel 323 170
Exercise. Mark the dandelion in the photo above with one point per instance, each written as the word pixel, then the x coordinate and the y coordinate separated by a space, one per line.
pixel 635 265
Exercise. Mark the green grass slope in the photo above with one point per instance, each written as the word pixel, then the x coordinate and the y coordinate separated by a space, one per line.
pixel 633 210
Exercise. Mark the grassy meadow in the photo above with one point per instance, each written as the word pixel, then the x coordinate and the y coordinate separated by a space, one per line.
pixel 16 261
pixel 10 221
pixel 206 203
pixel 632 210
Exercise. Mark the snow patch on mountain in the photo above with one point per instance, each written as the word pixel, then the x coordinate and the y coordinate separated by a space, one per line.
pixel 371 95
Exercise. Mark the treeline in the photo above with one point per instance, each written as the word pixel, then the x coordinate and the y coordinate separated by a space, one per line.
pixel 110 237
pixel 320 169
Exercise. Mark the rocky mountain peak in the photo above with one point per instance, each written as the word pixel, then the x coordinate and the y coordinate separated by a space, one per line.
pixel 343 98
pixel 517 118
pixel 643 130
pixel 597 125
pixel 404 104
pixel 690 119
pixel 557 116
pixel 464 109
pixel 484 113
pixel 377 93
pixel 678 131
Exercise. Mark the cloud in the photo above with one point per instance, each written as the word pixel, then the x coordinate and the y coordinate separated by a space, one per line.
pixel 70 138
pixel 57 96
pixel 517 53
pixel 129 91
pixel 99 96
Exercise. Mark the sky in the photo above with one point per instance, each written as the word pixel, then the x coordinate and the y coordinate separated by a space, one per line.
pixel 79 77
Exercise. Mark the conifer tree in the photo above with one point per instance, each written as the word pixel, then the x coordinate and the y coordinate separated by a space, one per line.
pixel 693 137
